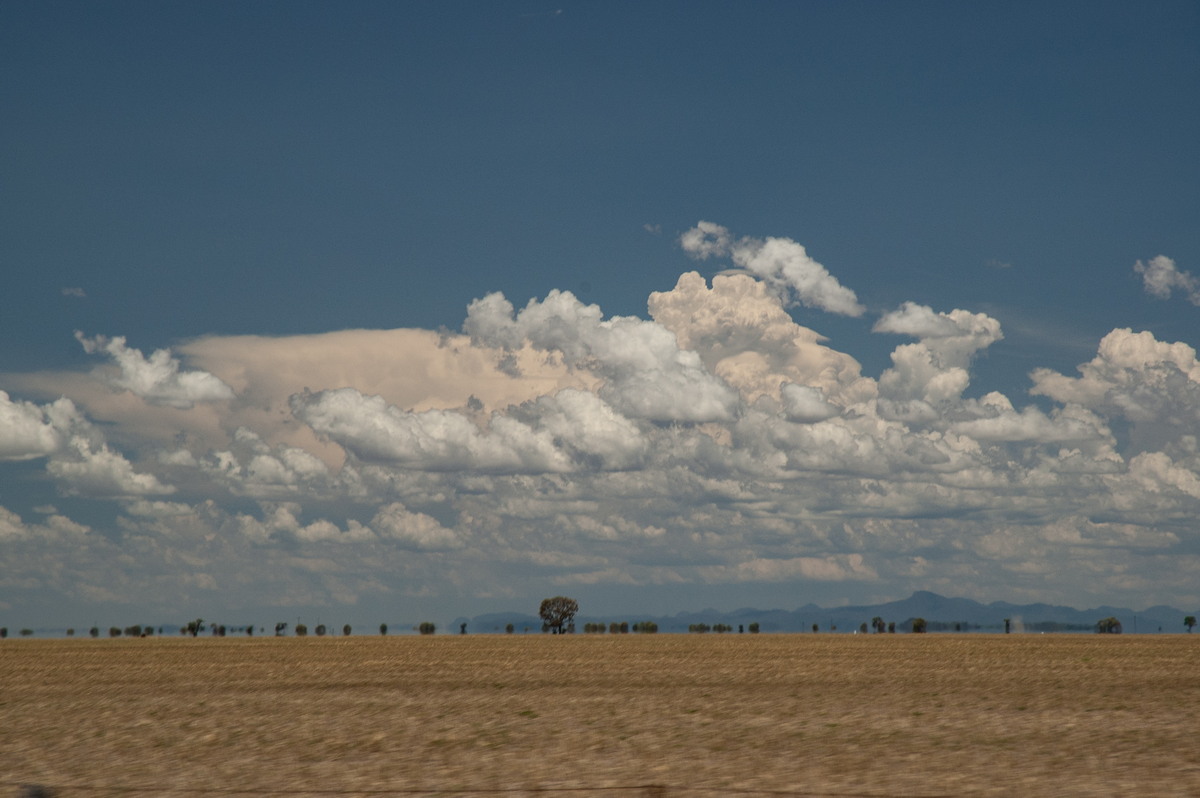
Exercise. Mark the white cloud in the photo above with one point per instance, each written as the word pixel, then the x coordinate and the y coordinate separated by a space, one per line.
pixel 437 440
pixel 781 263
pixel 936 368
pixel 716 443
pixel 89 470
pixel 1160 277
pixel 156 379
pixel 415 530
pixel 28 431
pixel 645 374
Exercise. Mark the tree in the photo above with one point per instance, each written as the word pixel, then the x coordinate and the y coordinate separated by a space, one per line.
pixel 754 628
pixel 3 632
pixel 382 629
pixel 346 630
pixel 558 612
pixel 195 627
pixel 1189 622
pixel 1108 626
pixel 509 629
pixel 919 626
pixel 427 628
pixel 280 628
pixel 94 631
pixel 301 630
pixel 878 624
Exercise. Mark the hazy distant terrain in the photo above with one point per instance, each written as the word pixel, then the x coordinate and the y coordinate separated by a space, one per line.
pixel 972 615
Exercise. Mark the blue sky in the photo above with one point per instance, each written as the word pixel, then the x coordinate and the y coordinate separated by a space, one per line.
pixel 182 175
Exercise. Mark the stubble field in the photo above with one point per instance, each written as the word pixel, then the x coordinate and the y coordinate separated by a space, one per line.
pixel 668 715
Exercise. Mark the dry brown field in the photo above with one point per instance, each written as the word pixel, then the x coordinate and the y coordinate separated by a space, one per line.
pixel 667 715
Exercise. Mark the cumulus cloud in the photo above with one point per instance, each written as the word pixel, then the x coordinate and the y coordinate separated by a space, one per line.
pixel 88 470
pixel 936 368
pixel 28 431
pixel 1155 385
pixel 1161 277
pixel 157 379
pixel 645 374
pixel 716 442
pixel 781 263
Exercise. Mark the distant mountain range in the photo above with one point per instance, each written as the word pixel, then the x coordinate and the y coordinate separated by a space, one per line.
pixel 942 614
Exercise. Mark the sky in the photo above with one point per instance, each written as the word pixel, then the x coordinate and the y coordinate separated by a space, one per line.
pixel 390 312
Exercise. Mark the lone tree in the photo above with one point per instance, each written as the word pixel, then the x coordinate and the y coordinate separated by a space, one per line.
pixel 1189 622
pixel 919 626
pixel 558 612
pixel 1108 626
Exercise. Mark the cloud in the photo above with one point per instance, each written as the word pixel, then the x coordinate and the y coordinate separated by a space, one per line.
pixel 936 368
pixel 29 431
pixel 1154 385
pixel 1160 277
pixel 781 263
pixel 88 470
pixel 716 442
pixel 643 372
pixel 157 379
pixel 75 292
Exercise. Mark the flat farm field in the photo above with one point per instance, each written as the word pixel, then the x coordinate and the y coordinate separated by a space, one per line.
pixel 665 715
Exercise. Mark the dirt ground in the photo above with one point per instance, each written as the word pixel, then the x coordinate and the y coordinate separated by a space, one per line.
pixel 665 715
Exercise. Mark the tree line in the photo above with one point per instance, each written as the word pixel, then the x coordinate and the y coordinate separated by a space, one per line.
pixel 558 617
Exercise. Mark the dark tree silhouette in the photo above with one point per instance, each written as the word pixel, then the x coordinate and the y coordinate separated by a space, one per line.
pixel 1108 626
pixel 383 629
pixel 558 613
pixel 919 626
pixel 1189 622
pixel 194 627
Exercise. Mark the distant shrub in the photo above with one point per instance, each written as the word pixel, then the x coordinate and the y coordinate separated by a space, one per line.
pixel 754 628
pixel 509 629
pixel 113 631
pixel 816 628
pixel 26 632
pixel 3 632
pixel 346 630
pixel 382 629
pixel 301 630
pixel 320 630
pixel 699 628
pixel 645 627
pixel 919 626
pixel 70 633
pixel 280 628
pixel 427 628
pixel 94 631
pixel 133 631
